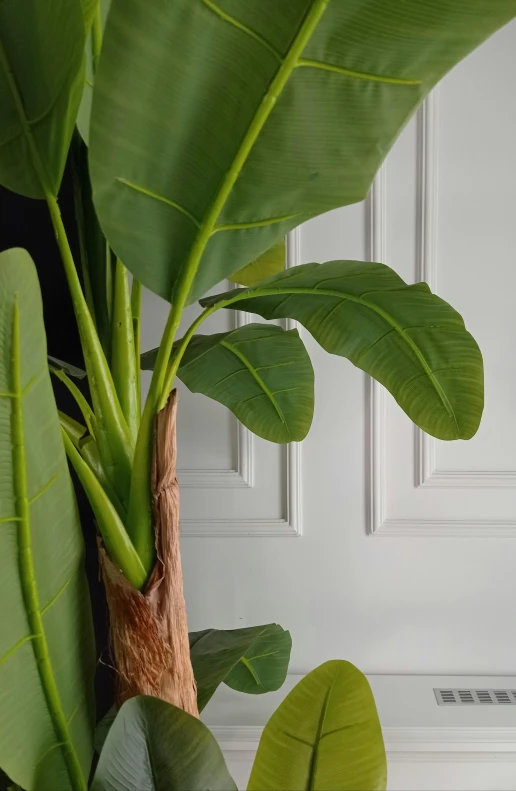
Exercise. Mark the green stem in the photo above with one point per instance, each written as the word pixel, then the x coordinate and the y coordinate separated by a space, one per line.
pixel 81 402
pixel 28 576
pixel 136 309
pixel 123 358
pixel 96 38
pixel 178 356
pixel 76 431
pixel 139 515
pixel 118 543
pixel 113 436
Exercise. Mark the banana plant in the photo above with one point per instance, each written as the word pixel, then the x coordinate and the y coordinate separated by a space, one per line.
pixel 216 128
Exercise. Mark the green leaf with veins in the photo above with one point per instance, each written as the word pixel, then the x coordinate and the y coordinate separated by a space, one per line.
pixel 261 373
pixel 41 82
pixel 254 659
pixel 47 653
pixel 407 338
pixel 219 125
pixel 325 736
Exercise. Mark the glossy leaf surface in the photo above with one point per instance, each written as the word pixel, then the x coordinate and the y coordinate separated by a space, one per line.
pixel 41 83
pixel 261 373
pixel 325 736
pixel 253 660
pixel 47 658
pixel 410 340
pixel 219 125
pixel 154 746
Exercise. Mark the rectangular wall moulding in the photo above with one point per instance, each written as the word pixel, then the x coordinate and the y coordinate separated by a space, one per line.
pixel 426 473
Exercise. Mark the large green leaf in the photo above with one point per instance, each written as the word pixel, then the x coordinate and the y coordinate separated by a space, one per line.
pixel 269 263
pixel 253 660
pixel 404 336
pixel 41 82
pixel 219 125
pixel 261 373
pixel 154 746
pixel 46 642
pixel 325 736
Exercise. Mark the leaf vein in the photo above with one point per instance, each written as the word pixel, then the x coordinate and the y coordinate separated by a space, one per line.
pixel 359 75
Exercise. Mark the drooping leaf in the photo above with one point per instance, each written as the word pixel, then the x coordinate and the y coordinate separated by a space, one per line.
pixel 288 112
pixel 261 373
pixel 325 736
pixel 270 263
pixel 47 656
pixel 97 263
pixel 253 660
pixel 154 746
pixel 41 82
pixel 407 338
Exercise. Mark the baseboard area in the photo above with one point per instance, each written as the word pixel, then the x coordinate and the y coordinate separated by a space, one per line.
pixel 429 747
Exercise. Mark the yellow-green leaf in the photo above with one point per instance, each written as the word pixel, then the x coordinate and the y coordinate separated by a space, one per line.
pixel 325 736
pixel 270 263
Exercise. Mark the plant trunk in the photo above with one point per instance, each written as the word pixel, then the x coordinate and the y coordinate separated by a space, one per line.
pixel 149 631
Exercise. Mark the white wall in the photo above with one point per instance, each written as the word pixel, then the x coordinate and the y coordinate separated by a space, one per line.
pixel 371 542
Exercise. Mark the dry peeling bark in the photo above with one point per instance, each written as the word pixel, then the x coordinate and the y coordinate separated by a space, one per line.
pixel 149 631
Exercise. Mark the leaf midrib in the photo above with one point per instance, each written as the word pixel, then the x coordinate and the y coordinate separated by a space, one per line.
pixel 252 293
pixel 27 571
pixel 277 84
pixel 256 376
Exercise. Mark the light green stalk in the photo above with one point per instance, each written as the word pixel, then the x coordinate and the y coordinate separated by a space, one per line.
pixel 126 375
pixel 118 544
pixel 86 410
pixel 136 309
pixel 113 436
pixel 96 38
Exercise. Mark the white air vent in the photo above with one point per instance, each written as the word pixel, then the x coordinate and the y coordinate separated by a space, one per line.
pixel 472 697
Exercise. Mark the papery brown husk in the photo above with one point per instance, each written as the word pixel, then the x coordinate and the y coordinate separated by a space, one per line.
pixel 149 630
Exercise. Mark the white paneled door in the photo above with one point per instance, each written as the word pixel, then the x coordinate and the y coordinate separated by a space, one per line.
pixel 372 541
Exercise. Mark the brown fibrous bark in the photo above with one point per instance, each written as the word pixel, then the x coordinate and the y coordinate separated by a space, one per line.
pixel 149 631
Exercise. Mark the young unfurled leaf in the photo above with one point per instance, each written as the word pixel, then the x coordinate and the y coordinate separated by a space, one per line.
pixel 407 338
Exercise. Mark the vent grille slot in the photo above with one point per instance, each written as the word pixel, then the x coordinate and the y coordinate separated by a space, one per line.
pixel 472 697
